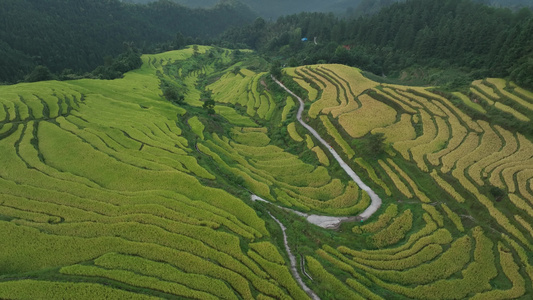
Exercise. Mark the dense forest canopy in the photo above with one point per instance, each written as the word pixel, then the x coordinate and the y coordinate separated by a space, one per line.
pixel 276 8
pixel 79 34
pixel 479 40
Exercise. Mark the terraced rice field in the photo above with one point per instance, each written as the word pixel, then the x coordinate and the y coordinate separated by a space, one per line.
pixel 109 191
pixel 99 187
pixel 439 155
pixel 495 92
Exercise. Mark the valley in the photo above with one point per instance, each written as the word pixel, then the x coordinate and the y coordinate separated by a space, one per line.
pixel 117 189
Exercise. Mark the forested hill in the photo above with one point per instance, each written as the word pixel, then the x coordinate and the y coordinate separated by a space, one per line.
pixel 272 9
pixel 276 8
pixel 79 34
pixel 479 40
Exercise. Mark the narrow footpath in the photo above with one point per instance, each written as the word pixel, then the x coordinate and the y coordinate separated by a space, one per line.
pixel 375 200
pixel 294 270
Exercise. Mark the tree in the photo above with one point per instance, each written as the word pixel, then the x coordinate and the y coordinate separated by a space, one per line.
pixel 275 70
pixel 40 73
pixel 497 193
pixel 522 74
pixel 179 41
pixel 172 94
pixel 209 103
pixel 209 106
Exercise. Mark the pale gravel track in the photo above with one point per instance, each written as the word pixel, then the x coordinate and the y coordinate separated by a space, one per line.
pixel 326 222
pixel 375 200
pixel 292 258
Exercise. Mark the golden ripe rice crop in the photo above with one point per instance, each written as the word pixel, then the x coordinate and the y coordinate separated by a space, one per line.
pixel 372 114
pixel 400 131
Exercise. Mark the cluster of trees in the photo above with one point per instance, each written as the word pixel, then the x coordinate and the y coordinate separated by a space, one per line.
pixel 482 40
pixel 75 37
pixel 114 68
pixel 272 9
pixel 78 35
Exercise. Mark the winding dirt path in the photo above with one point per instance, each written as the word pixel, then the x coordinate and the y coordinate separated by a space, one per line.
pixel 326 222
pixel 294 269
pixel 375 200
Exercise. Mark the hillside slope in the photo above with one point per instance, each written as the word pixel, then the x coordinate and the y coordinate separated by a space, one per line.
pixel 459 183
pixel 111 190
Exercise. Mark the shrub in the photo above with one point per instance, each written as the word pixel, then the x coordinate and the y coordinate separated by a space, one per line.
pixel 172 94
pixel 40 73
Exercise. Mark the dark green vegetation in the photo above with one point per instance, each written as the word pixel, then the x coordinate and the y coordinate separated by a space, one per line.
pixel 77 36
pixel 427 41
pixel 349 8
pixel 275 8
pixel 438 42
